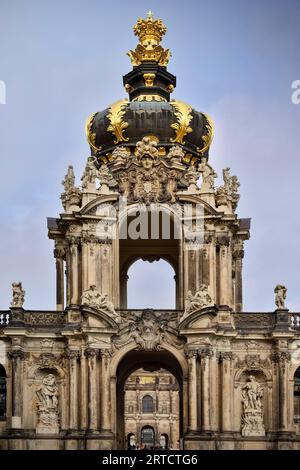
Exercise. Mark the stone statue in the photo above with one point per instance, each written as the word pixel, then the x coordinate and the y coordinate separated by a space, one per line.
pixel 69 180
pixel 90 173
pixel 201 299
pixel 280 296
pixel 71 197
pixel 208 176
pixel 252 411
pixel 47 403
pixel 228 193
pixel 18 295
pixel 107 180
pixel 99 301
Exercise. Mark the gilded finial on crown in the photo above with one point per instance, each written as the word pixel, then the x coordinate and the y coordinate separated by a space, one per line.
pixel 150 33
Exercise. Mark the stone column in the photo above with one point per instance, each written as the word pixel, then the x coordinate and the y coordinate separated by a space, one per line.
pixel 17 356
pixel 283 358
pixel 205 355
pixel 73 356
pixel 123 290
pixel 84 390
pixel 74 271
pixel 238 255
pixel 59 254
pixel 192 361
pixel 105 391
pixel 92 355
pixel 226 358
pixel 224 294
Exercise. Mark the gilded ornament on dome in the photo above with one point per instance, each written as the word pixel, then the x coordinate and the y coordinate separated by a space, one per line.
pixel 208 137
pixel 91 136
pixel 182 126
pixel 117 124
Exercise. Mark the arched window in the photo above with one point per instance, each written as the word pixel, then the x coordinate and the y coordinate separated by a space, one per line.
pixel 147 404
pixel 2 393
pixel 297 396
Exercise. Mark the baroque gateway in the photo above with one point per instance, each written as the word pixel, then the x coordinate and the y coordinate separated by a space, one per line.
pixel 148 192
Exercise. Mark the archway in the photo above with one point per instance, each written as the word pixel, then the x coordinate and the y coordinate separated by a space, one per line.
pixel 151 285
pixel 148 363
pixel 158 239
pixel 148 437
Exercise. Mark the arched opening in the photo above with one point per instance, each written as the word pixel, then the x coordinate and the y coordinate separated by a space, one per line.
pixel 148 437
pixel 297 396
pixel 164 441
pixel 153 382
pixel 151 285
pixel 158 243
pixel 131 441
pixel 2 393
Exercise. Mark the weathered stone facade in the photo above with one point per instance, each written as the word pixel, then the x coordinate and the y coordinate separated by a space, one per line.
pixel 63 372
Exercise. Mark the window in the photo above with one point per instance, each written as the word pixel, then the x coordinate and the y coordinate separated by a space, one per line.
pixel 2 394
pixel 147 404
pixel 297 396
pixel 147 436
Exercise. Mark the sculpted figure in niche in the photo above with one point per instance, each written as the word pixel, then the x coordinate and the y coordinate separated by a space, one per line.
pixel 280 296
pixel 48 394
pixel 252 408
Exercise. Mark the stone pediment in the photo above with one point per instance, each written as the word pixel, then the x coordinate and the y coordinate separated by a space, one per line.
pixel 96 318
pixel 202 318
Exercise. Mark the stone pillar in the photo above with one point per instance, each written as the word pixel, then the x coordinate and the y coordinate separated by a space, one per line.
pixel 73 356
pixel 238 255
pixel 192 402
pixel 74 301
pixel 226 358
pixel 123 290
pixel 92 355
pixel 17 356
pixel 224 294
pixel 59 254
pixel 205 355
pixel 84 390
pixel 105 391
pixel 283 358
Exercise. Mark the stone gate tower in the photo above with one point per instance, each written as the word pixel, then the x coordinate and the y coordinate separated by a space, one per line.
pixel 148 191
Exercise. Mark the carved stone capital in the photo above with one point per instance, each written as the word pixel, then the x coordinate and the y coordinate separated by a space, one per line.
pixel 225 356
pixel 223 240
pixel 17 354
pixel 281 357
pixel 72 353
pixel 191 353
pixel 59 253
pixel 205 352
pixel 105 353
pixel 91 352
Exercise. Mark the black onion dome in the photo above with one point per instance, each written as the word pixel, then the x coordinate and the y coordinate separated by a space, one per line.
pixel 144 118
pixel 149 111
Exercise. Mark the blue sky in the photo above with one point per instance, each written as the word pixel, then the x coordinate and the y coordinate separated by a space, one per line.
pixel 235 59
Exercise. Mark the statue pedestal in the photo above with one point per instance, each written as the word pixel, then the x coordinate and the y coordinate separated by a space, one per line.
pixel 253 424
pixel 47 422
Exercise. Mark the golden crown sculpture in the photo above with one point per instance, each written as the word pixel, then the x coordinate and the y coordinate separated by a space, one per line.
pixel 150 33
